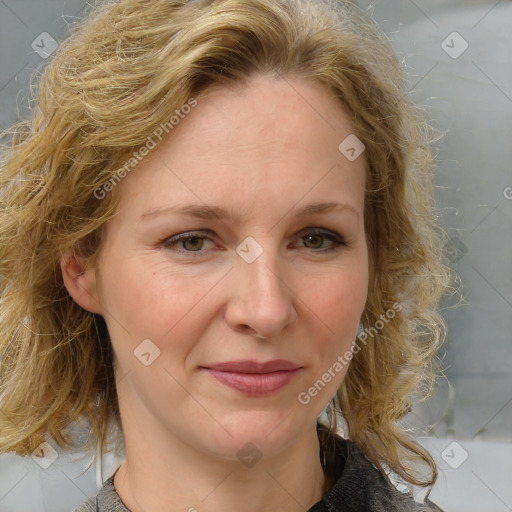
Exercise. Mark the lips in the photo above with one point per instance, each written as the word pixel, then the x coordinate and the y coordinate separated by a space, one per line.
pixel 254 378
pixel 255 367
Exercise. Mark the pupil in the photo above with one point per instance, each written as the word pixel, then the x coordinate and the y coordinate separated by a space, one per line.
pixel 193 245
pixel 311 238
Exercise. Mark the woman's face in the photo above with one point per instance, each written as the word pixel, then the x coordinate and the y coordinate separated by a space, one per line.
pixel 271 265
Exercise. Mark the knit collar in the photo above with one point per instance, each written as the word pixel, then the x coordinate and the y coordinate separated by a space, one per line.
pixel 359 486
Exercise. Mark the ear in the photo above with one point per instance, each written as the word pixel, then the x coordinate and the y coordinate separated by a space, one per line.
pixel 80 281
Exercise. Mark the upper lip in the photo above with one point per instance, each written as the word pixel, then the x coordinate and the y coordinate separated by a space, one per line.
pixel 248 366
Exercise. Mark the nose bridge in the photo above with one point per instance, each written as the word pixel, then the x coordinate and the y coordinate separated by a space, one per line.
pixel 263 277
pixel 265 273
pixel 263 300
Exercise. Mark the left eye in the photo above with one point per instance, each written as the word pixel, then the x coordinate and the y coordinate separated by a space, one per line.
pixel 314 239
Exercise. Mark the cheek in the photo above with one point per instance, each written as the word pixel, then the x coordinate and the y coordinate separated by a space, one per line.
pixel 337 305
pixel 143 300
pixel 338 297
pixel 142 294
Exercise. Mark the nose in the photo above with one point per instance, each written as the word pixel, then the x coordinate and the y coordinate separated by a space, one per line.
pixel 262 302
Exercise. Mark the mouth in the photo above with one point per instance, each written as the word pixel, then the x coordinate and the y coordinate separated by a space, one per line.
pixel 254 378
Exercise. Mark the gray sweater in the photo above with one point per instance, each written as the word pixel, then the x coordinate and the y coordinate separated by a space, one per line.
pixel 358 487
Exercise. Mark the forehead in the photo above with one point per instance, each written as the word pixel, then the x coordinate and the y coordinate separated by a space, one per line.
pixel 250 144
pixel 271 105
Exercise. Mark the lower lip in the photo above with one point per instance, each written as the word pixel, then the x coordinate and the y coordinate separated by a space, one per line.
pixel 254 384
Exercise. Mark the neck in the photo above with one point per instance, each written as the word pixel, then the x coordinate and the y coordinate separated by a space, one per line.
pixel 163 474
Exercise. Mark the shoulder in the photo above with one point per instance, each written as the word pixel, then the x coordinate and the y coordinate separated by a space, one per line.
pixel 88 506
pixel 107 500
pixel 358 485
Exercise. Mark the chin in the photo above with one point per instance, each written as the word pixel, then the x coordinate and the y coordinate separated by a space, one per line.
pixel 256 434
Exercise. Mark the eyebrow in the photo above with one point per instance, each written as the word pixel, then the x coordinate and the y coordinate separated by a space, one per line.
pixel 211 212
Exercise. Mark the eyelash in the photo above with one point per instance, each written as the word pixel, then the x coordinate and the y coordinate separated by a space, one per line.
pixel 335 238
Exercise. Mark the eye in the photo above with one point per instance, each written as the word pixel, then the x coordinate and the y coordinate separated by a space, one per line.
pixel 187 242
pixel 315 238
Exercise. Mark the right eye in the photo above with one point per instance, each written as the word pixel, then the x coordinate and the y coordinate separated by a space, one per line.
pixel 190 242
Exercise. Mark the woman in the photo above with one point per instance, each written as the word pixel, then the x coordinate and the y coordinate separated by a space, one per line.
pixel 218 223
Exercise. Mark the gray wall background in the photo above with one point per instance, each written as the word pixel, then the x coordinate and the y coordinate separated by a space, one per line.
pixel 458 57
pixel 469 95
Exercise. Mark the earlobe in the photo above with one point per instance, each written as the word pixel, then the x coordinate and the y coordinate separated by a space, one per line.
pixel 80 281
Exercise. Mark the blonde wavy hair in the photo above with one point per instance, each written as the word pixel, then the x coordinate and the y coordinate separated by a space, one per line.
pixel 124 71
